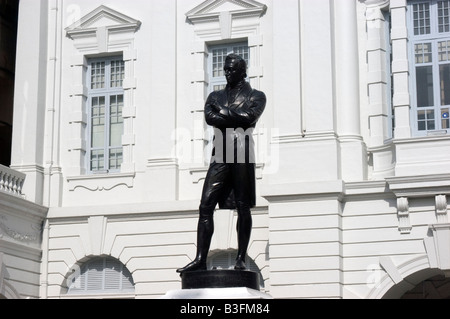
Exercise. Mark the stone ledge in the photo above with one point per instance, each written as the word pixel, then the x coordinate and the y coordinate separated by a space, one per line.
pixel 216 293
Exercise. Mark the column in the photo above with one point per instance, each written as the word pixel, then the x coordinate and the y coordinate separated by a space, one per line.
pixel 353 149
pixel 379 89
pixel 30 98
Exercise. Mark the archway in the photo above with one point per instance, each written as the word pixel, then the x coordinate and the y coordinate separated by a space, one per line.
pixel 437 287
pixel 100 277
pixel 424 284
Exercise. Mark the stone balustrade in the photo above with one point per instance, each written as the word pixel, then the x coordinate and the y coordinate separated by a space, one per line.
pixel 11 181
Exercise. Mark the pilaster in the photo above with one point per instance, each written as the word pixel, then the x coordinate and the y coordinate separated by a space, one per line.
pixel 353 155
pixel 30 96
pixel 400 69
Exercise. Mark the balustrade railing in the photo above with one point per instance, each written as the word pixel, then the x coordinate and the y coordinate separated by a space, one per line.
pixel 11 181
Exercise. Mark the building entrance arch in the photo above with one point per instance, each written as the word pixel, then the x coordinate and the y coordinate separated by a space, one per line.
pixel 424 284
pixel 437 287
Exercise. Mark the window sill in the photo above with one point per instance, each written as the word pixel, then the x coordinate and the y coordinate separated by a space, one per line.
pixel 430 137
pixel 437 133
pixel 198 174
pixel 101 182
pixel 426 155
pixel 100 296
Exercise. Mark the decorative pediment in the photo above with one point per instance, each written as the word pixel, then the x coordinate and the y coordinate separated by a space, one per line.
pixel 102 17
pixel 211 10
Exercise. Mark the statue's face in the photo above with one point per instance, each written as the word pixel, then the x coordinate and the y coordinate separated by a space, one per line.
pixel 232 72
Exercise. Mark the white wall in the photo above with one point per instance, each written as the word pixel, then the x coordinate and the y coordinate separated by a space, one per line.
pixel 20 246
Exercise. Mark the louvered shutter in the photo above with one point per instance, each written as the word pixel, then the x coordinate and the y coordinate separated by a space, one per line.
pixel 102 275
pixel 94 275
pixel 221 261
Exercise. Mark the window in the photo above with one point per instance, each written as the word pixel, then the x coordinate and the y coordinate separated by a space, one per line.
pixel 101 276
pixel 217 58
pixel 429 24
pixel 105 104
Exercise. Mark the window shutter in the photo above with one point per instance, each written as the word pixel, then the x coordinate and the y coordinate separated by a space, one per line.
pixel 94 275
pixel 102 275
pixel 221 261
pixel 113 275
pixel 127 280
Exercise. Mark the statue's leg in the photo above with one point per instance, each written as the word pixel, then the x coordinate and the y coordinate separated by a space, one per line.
pixel 244 230
pixel 243 186
pixel 205 230
pixel 214 184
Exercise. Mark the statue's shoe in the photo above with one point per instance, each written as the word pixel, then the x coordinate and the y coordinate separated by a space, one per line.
pixel 196 265
pixel 240 265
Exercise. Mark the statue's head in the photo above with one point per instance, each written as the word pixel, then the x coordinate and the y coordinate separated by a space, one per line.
pixel 235 68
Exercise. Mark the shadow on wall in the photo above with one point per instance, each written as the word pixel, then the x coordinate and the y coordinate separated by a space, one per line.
pixel 9 11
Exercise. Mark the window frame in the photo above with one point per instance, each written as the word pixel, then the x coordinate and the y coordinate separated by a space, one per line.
pixel 434 37
pixel 107 92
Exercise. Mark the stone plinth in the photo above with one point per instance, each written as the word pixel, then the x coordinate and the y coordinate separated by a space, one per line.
pixel 217 293
pixel 220 279
pixel 218 284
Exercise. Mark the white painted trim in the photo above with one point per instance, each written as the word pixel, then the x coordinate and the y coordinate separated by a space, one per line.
pixel 84 35
pixel 82 27
pixel 402 271
pixel 204 12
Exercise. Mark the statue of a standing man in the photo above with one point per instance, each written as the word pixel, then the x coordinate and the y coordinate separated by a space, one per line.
pixel 230 181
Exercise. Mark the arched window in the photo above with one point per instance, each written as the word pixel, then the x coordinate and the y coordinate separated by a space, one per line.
pixel 227 260
pixel 103 276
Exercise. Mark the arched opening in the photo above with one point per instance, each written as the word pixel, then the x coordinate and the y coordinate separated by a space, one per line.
pixel 2 297
pixel 100 277
pixel 437 287
pixel 423 284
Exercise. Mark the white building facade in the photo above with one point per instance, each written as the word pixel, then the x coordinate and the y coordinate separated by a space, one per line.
pixel 110 148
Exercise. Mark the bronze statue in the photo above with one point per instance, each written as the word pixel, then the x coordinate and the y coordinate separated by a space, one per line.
pixel 230 181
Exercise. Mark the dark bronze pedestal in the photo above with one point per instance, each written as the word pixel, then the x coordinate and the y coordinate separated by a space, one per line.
pixel 220 279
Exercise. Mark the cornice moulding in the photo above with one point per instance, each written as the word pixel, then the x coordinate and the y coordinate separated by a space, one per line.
pixel 420 186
